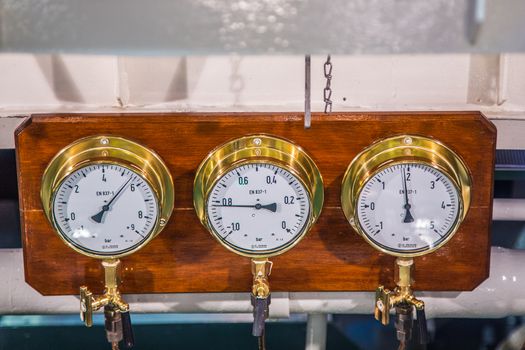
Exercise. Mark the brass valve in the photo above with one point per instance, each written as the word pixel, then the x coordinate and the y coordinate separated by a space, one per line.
pixel 116 310
pixel 261 297
pixel 403 301
pixel 111 296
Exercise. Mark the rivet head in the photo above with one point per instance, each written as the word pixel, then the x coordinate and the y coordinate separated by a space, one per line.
pixel 407 140
pixel 162 222
pixel 105 153
pixel 104 141
pixel 351 221
pixel 257 141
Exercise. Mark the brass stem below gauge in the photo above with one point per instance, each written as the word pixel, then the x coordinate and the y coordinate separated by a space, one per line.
pixel 261 269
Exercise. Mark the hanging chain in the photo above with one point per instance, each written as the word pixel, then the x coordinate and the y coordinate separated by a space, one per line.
pixel 327 92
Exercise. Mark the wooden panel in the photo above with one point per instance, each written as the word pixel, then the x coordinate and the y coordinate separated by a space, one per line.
pixel 185 258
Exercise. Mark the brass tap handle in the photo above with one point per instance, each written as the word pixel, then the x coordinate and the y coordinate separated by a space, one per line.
pixel 382 305
pixel 127 330
pixel 422 325
pixel 86 306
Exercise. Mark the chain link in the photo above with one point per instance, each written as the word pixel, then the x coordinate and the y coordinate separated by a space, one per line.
pixel 327 92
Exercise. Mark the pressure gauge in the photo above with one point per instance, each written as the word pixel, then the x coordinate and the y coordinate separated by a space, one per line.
pixel 406 195
pixel 258 195
pixel 107 196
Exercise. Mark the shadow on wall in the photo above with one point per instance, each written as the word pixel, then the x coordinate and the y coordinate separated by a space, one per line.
pixel 158 80
pixel 178 87
pixel 154 80
pixel 59 78
pixel 139 80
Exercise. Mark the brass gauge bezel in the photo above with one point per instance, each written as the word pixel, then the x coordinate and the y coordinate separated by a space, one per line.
pixel 110 150
pixel 260 148
pixel 398 150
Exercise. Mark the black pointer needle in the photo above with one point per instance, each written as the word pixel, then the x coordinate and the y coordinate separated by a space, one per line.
pixel 98 216
pixel 408 216
pixel 271 207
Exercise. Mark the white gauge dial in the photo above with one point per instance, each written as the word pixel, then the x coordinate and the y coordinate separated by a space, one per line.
pixel 105 209
pixel 408 208
pixel 258 208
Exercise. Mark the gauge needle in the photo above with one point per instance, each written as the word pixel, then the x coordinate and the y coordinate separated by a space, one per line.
pixel 271 207
pixel 408 216
pixel 98 216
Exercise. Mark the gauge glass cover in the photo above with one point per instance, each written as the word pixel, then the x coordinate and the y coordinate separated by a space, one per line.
pixel 258 208
pixel 408 208
pixel 105 209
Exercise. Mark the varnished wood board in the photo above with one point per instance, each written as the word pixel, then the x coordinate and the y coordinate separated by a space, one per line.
pixel 185 258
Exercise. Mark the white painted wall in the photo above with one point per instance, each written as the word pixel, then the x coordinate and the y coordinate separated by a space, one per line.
pixel 494 84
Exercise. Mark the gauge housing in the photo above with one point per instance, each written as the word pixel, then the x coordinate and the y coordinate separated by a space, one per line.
pixel 109 150
pixel 403 149
pixel 264 149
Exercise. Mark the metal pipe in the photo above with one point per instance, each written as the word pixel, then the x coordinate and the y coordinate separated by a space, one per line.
pixel 500 295
pixel 344 25
pixel 508 209
pixel 316 326
pixel 307 92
